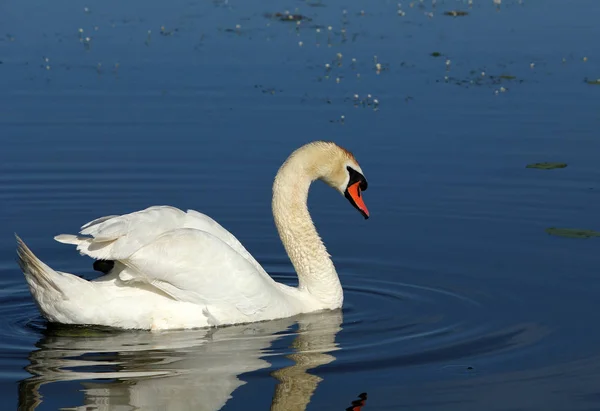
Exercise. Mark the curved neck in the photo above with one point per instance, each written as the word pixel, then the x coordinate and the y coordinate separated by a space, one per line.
pixel 316 273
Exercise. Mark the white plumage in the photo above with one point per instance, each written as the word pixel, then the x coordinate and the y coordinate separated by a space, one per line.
pixel 176 269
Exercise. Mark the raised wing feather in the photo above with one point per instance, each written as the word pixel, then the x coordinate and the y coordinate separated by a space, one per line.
pixel 118 237
pixel 195 266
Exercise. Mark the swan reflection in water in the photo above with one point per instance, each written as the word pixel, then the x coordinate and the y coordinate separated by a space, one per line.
pixel 178 370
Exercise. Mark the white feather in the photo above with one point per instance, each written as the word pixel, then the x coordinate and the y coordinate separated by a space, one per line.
pixel 176 269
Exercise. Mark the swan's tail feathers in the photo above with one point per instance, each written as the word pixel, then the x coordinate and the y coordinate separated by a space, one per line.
pixel 39 276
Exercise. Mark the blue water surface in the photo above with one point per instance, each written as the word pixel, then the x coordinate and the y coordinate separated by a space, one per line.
pixel 456 297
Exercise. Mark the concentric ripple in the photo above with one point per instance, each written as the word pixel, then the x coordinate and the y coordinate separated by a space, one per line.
pixel 384 324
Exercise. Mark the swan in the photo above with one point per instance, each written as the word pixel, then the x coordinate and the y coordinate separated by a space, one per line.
pixel 166 268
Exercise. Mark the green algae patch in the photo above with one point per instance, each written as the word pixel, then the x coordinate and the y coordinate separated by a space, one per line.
pixel 572 232
pixel 546 165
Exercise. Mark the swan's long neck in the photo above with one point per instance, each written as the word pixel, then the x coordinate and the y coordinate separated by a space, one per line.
pixel 316 273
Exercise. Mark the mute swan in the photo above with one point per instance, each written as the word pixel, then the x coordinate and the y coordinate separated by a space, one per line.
pixel 172 269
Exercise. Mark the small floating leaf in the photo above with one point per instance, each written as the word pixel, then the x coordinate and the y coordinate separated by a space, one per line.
pixel 546 165
pixel 436 54
pixel 594 82
pixel 507 77
pixel 455 13
pixel 572 232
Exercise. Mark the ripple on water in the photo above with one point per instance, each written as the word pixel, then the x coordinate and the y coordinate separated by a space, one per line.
pixel 383 324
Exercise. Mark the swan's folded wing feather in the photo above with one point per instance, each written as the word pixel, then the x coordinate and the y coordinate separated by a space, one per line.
pixel 200 221
pixel 117 237
pixel 195 266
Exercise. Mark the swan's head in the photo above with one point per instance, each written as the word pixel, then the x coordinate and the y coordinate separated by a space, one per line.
pixel 347 177
pixel 338 167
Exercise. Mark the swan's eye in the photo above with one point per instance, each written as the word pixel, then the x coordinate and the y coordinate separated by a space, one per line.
pixel 356 177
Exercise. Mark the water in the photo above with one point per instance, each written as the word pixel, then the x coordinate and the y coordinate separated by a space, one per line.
pixel 456 297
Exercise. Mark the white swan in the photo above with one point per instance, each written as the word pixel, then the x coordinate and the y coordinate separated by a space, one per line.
pixel 175 269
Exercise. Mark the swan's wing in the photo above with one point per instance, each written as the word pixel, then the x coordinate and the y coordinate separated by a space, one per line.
pixel 117 237
pixel 195 266
pixel 199 221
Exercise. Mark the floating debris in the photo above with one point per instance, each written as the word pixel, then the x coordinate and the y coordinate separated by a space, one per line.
pixel 461 369
pixel 456 13
pixel 593 82
pixel 572 232
pixel 367 102
pixel 267 90
pixel 546 165
pixel 287 16
pixel 436 54
pixel 482 78
pixel 86 43
pixel 46 64
pixel 166 33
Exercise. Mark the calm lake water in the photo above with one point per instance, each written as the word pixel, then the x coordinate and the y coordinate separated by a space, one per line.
pixel 456 296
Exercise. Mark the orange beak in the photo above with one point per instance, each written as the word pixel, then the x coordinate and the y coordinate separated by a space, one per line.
pixel 353 193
